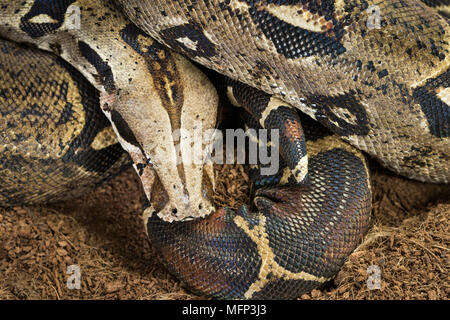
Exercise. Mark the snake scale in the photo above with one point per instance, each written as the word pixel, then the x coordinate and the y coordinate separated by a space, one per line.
pixel 369 76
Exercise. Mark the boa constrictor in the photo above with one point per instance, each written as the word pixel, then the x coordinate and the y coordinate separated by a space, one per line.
pixel 376 73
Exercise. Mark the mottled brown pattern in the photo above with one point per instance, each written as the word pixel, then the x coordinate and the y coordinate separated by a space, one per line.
pixel 379 67
pixel 372 86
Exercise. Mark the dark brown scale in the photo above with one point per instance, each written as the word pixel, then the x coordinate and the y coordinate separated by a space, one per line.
pixel 301 229
pixel 42 108
pixel 328 59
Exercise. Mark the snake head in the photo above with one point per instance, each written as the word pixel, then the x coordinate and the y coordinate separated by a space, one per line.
pixel 167 132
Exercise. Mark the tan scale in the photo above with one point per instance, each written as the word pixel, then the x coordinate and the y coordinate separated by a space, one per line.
pixel 259 236
pixel 138 101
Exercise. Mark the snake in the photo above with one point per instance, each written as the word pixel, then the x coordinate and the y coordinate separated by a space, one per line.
pixel 81 82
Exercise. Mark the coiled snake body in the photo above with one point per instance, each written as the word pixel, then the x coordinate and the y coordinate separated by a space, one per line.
pixel 375 73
